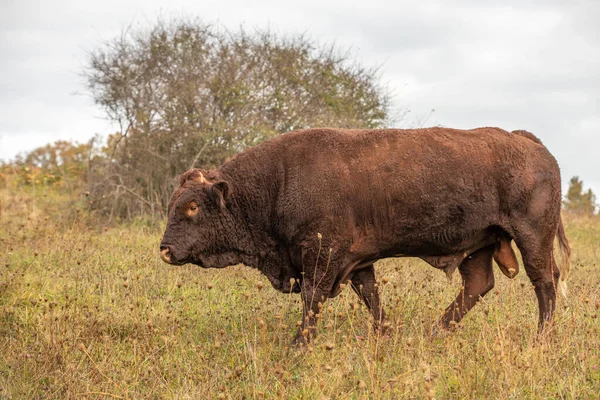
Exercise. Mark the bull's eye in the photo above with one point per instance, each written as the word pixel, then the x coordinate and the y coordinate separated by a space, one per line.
pixel 192 209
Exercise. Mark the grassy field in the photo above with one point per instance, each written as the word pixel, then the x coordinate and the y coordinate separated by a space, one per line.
pixel 91 312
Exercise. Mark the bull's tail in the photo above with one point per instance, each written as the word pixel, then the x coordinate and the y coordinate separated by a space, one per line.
pixel 565 249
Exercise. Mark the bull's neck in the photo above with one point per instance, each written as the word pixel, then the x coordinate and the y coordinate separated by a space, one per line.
pixel 254 188
pixel 252 202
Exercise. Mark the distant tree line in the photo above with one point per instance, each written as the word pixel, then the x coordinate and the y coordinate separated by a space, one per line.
pixel 60 164
pixel 577 201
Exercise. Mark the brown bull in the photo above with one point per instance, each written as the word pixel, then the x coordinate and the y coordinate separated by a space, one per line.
pixel 315 209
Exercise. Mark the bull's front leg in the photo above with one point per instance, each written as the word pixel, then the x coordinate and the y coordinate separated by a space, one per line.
pixel 312 305
pixel 319 270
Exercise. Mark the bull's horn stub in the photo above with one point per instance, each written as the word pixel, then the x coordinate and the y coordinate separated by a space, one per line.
pixel 201 178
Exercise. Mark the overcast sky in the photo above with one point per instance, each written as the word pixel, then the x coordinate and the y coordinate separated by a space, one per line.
pixel 529 64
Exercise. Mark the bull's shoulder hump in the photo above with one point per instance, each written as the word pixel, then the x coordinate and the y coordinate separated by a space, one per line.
pixel 528 135
pixel 520 133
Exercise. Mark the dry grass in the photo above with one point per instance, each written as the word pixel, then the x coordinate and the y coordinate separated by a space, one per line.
pixel 92 313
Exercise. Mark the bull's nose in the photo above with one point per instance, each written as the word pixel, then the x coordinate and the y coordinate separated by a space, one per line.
pixel 165 254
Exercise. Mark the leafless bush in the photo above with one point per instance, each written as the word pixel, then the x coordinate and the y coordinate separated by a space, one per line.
pixel 189 94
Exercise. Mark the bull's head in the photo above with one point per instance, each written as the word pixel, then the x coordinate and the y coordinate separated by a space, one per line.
pixel 198 221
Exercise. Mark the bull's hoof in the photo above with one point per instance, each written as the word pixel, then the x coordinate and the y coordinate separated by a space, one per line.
pixel 383 329
pixel 301 343
pixel 442 328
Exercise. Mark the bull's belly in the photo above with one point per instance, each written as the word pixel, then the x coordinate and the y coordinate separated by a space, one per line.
pixel 446 254
pixel 439 244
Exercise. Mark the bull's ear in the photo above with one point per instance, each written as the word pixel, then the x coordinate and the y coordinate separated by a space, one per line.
pixel 220 193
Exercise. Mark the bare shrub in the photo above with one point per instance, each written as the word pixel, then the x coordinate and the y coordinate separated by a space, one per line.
pixel 189 94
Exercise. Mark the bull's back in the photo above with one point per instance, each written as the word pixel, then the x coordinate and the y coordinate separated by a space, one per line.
pixel 410 163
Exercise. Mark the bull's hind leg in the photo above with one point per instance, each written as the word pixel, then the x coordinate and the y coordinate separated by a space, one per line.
pixel 477 279
pixel 365 286
pixel 540 266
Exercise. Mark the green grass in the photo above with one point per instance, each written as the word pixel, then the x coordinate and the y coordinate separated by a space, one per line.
pixel 89 312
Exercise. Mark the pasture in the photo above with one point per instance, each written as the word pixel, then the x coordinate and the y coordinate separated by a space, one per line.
pixel 88 311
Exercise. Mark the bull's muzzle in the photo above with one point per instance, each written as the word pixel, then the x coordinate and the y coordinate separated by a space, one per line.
pixel 165 254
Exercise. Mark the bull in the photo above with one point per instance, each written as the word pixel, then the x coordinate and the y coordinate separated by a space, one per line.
pixel 313 210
